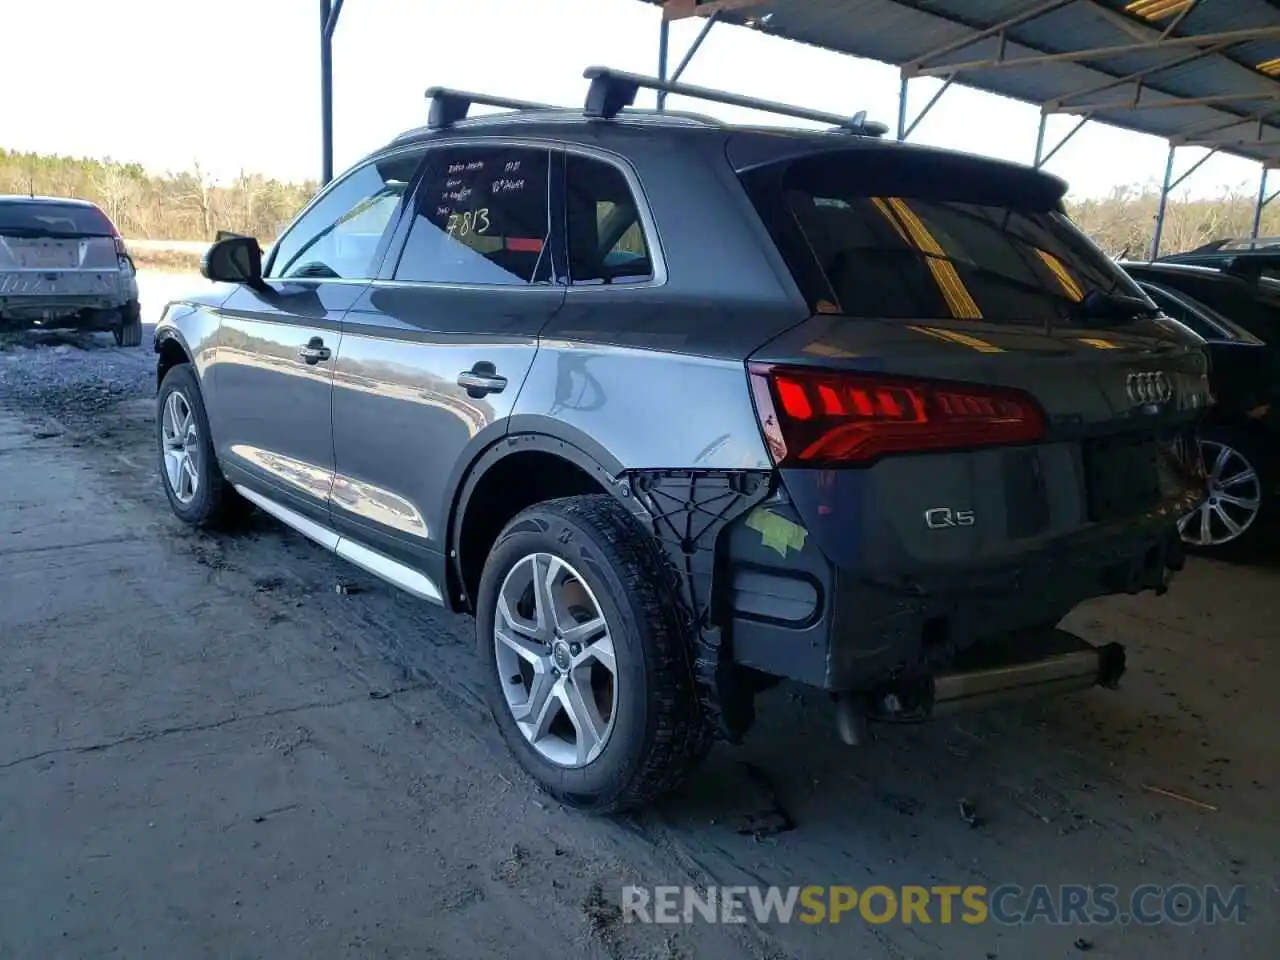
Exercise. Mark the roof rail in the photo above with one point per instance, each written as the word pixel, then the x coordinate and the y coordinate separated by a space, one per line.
pixel 450 106
pixel 612 90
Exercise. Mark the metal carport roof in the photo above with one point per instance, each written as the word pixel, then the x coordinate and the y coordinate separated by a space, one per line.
pixel 1199 73
pixel 1195 72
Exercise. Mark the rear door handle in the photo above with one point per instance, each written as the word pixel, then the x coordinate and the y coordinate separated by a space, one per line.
pixel 313 352
pixel 483 378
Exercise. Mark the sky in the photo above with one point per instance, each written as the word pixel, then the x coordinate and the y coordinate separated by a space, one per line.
pixel 234 84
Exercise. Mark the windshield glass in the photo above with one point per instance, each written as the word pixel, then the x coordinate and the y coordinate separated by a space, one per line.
pixel 51 219
pixel 873 247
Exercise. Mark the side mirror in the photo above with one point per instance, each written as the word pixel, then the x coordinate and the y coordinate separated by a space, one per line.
pixel 234 259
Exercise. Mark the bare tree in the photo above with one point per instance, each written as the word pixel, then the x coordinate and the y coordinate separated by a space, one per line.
pixel 114 190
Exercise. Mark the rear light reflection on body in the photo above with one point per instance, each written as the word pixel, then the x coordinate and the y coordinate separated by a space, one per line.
pixel 814 417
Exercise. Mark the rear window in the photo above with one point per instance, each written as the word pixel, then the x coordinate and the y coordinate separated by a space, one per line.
pixel 53 218
pixel 875 243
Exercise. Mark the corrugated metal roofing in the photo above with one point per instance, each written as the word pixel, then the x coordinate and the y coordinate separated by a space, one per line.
pixel 1131 63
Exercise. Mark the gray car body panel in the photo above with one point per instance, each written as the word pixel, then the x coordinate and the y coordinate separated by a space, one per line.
pixel 400 420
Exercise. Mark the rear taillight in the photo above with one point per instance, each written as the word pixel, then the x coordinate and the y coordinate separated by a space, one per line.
pixel 813 417
pixel 123 255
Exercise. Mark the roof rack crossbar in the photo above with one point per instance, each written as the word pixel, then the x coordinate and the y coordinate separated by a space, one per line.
pixel 612 90
pixel 450 106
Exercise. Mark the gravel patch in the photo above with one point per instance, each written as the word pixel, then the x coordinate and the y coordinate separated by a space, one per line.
pixel 70 376
pixel 76 378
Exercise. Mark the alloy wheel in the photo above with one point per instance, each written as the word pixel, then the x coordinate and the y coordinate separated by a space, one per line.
pixel 1234 497
pixel 555 660
pixel 180 439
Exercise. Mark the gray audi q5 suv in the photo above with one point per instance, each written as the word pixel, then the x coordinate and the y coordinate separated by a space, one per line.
pixel 678 409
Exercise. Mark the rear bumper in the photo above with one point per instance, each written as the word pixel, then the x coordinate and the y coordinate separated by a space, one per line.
pixel 19 285
pixel 795 614
pixel 28 295
pixel 81 313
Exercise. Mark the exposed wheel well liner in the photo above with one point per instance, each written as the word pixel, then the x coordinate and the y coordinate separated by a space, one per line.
pixel 172 353
pixel 513 474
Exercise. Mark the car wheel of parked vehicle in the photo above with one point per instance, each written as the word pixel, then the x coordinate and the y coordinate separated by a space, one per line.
pixel 128 332
pixel 588 666
pixel 1230 519
pixel 197 491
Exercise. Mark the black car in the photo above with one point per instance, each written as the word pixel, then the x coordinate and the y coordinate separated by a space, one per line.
pixel 1246 259
pixel 678 409
pixel 1238 317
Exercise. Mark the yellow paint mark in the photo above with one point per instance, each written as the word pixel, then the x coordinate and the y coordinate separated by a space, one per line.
pixel 1270 67
pixel 959 300
pixel 954 336
pixel 820 349
pixel 777 533
pixel 1062 275
pixel 1099 343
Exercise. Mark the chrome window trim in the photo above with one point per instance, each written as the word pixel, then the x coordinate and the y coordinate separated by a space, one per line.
pixel 648 226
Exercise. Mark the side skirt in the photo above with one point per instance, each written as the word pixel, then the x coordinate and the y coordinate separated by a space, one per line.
pixel 392 571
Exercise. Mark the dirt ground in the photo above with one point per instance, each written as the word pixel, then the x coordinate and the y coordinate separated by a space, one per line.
pixel 206 750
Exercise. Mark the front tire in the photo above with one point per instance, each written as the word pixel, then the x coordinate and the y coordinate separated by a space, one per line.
pixel 587 665
pixel 193 482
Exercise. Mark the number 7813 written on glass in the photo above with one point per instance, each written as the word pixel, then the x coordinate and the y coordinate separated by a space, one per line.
pixel 467 222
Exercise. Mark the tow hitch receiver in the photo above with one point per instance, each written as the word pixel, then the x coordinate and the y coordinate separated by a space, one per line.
pixel 1026 666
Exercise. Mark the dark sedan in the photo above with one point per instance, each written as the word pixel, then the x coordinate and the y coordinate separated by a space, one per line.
pixel 1239 319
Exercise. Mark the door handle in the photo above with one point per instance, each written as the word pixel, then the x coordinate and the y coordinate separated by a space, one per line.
pixel 313 352
pixel 482 379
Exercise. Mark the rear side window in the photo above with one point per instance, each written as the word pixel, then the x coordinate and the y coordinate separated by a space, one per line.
pixel 52 219
pixel 605 234
pixel 1203 319
pixel 480 218
pixel 902 246
pixel 1182 313
pixel 1252 306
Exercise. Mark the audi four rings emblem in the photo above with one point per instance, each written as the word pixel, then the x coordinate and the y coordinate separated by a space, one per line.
pixel 1148 388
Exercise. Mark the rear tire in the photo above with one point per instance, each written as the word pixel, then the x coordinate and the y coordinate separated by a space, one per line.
pixel 198 493
pixel 128 332
pixel 590 549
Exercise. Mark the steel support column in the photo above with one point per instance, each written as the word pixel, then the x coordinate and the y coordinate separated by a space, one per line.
pixel 1164 200
pixel 1171 184
pixel 664 49
pixel 1263 199
pixel 902 107
pixel 1041 157
pixel 904 128
pixel 330 10
pixel 664 46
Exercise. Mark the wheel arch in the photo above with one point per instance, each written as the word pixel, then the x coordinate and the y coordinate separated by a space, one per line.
pixel 533 462
pixel 171 350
